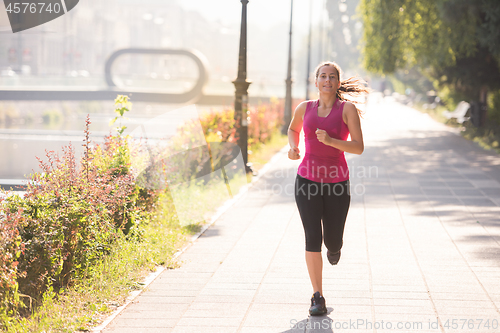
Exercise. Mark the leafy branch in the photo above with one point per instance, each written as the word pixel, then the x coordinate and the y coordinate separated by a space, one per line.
pixel 122 105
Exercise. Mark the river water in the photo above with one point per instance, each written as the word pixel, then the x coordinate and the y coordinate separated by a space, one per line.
pixel 22 141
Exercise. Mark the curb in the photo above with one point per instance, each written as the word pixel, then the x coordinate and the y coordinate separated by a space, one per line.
pixel 159 269
pixel 130 298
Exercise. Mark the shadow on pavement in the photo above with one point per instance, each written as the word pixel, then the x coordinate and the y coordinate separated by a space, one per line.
pixel 212 231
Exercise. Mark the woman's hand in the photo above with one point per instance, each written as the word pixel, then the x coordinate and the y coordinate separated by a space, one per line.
pixel 351 119
pixel 294 153
pixel 322 136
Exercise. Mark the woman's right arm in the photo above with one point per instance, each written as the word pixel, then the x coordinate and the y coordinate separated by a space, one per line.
pixel 294 131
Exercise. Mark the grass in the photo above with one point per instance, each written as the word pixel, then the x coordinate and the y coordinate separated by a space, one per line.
pixel 92 298
pixel 263 153
pixel 197 201
pixel 487 137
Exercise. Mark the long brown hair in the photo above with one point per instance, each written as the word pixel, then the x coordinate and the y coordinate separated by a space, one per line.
pixel 351 87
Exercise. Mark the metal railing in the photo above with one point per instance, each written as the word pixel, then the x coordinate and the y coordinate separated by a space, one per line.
pixel 193 95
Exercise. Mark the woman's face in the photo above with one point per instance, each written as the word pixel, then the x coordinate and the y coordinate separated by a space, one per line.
pixel 328 80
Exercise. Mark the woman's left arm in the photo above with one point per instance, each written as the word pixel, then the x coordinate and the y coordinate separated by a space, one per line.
pixel 356 145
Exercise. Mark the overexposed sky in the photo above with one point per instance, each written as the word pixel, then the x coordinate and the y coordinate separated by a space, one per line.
pixel 264 13
pixel 268 22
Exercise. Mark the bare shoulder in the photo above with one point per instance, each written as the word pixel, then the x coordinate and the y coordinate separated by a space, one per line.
pixel 350 108
pixel 300 110
pixel 301 107
pixel 349 111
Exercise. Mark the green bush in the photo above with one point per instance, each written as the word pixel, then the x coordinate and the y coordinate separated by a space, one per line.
pixel 68 220
pixel 11 248
pixel 494 108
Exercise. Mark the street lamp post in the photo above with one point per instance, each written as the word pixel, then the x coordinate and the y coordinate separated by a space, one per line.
pixel 288 95
pixel 309 52
pixel 241 94
pixel 323 30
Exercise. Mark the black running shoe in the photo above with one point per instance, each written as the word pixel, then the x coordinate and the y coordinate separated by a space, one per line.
pixel 318 305
pixel 333 258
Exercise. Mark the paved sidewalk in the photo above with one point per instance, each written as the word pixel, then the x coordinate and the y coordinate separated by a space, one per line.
pixel 421 247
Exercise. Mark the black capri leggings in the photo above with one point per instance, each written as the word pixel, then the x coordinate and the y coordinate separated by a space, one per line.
pixel 327 202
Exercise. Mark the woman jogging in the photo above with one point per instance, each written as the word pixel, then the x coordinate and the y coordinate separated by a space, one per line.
pixel 322 183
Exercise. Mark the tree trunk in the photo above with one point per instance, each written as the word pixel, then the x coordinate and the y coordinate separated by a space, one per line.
pixel 483 103
pixel 479 108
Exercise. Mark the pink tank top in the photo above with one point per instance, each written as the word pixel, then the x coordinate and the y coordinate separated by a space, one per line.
pixel 324 163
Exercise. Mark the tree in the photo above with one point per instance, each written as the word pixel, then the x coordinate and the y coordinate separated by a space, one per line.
pixel 455 43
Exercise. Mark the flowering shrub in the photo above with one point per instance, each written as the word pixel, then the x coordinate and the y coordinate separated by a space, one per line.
pixel 264 119
pixel 189 158
pixel 11 247
pixel 219 126
pixel 68 219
